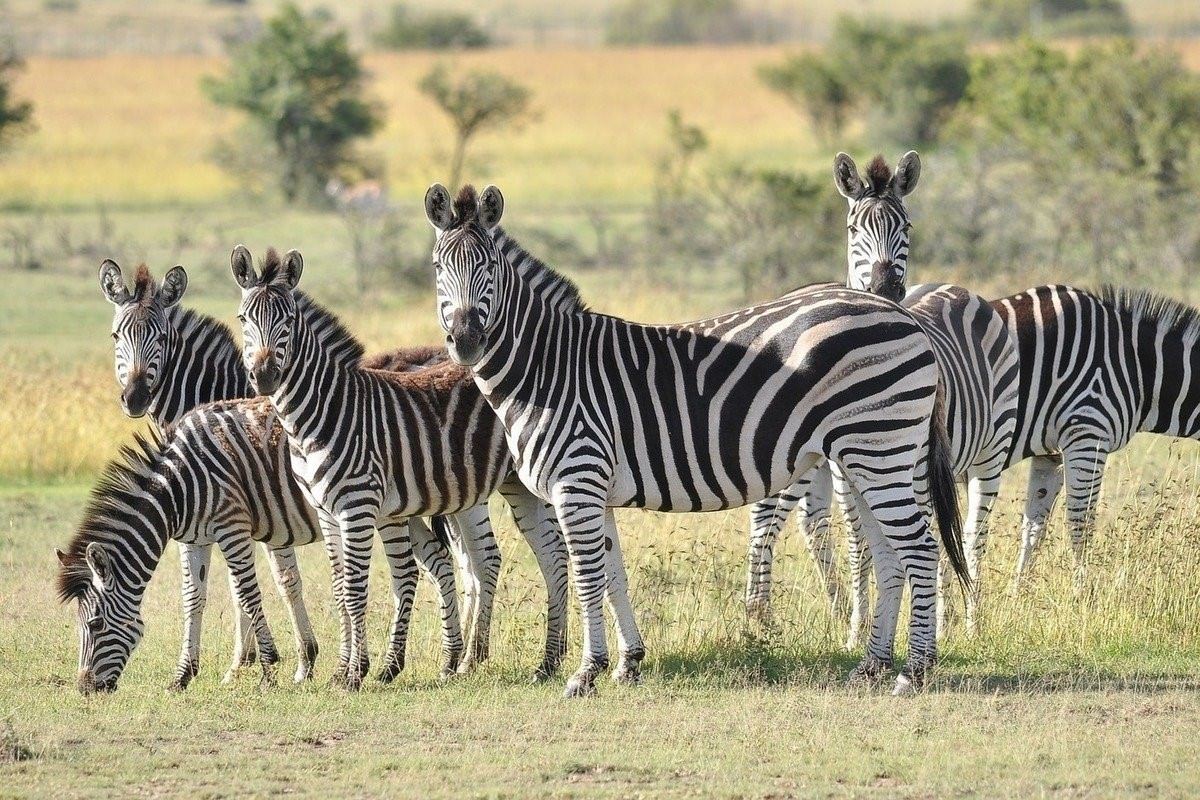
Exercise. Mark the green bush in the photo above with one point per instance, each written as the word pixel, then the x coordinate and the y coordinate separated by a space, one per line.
pixel 435 30
pixel 680 22
pixel 1011 18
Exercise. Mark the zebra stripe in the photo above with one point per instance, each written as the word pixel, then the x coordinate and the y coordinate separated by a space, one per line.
pixel 1096 368
pixel 977 359
pixel 367 445
pixel 600 412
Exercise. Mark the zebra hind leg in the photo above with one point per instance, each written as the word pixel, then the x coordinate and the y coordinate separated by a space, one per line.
pixel 474 528
pixel 238 549
pixel 433 555
pixel 286 572
pixel 632 649
pixel 402 566
pixel 1045 483
pixel 877 663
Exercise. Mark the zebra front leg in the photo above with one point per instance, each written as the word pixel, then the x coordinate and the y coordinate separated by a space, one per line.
pixel 470 580
pixel 357 526
pixel 632 648
pixel 244 651
pixel 332 538
pixel 767 518
pixel 818 537
pixel 1084 468
pixel 474 529
pixel 433 555
pixel 981 496
pixel 581 515
pixel 858 558
pixel 238 549
pixel 402 567
pixel 1045 483
pixel 194 566
pixel 538 525
pixel 286 572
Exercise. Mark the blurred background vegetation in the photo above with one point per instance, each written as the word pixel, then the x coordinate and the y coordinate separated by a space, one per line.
pixel 660 148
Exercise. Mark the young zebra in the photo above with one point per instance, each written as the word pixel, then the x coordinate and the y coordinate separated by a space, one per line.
pixel 1096 368
pixel 368 445
pixel 602 413
pixel 168 360
pixel 978 362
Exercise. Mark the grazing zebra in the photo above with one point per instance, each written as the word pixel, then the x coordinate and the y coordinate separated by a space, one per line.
pixel 368 445
pixel 978 361
pixel 170 360
pixel 1096 368
pixel 600 413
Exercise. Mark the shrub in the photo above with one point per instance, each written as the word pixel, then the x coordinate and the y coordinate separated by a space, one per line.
pixel 435 30
pixel 1011 18
pixel 680 22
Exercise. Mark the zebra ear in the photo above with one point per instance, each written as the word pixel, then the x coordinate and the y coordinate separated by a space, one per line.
pixel 908 172
pixel 112 283
pixel 293 266
pixel 243 267
pixel 173 286
pixel 63 558
pixel 846 178
pixel 438 207
pixel 491 207
pixel 100 564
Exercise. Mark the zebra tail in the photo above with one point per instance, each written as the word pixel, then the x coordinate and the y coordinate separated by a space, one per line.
pixel 943 490
pixel 441 530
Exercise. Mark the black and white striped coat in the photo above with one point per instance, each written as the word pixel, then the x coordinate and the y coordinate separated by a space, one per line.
pixel 600 413
pixel 977 359
pixel 368 445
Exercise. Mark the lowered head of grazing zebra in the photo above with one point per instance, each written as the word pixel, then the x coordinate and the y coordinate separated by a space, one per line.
pixel 877 225
pixel 141 332
pixel 465 258
pixel 110 560
pixel 267 299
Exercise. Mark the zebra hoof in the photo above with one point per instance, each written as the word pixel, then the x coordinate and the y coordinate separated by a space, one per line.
pixel 869 674
pixel 545 671
pixel 758 609
pixel 390 672
pixel 177 685
pixel 230 676
pixel 304 672
pixel 905 687
pixel 628 674
pixel 467 665
pixel 580 685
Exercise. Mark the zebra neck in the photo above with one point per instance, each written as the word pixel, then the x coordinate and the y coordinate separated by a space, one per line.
pixel 135 525
pixel 1169 366
pixel 317 374
pixel 201 365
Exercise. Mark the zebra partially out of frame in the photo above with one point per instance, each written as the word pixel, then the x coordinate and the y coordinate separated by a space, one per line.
pixel 978 362
pixel 1096 368
pixel 600 413
pixel 368 445
pixel 169 360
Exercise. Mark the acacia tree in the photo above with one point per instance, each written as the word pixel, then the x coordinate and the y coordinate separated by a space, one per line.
pixel 475 102
pixel 302 87
pixel 16 116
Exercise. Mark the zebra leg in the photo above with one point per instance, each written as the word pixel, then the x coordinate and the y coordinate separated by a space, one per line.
pixel 286 573
pixel 332 537
pixel 981 496
pixel 238 549
pixel 538 525
pixel 767 518
pixel 471 589
pixel 357 524
pixel 474 529
pixel 581 514
pixel 858 556
pixel 631 647
pixel 244 651
pixel 194 564
pixel 434 557
pixel 1084 469
pixel 818 537
pixel 889 580
pixel 1045 483
pixel 402 566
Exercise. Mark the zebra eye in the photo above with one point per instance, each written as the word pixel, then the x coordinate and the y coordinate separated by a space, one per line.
pixel 115 336
pixel 853 229
pixel 95 624
pixel 242 318
pixel 907 227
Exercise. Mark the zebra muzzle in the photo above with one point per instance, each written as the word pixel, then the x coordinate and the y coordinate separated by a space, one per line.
pixel 135 397
pixel 465 340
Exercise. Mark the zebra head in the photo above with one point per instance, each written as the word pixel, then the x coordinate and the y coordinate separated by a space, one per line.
pixel 465 263
pixel 267 313
pixel 109 618
pixel 142 334
pixel 877 225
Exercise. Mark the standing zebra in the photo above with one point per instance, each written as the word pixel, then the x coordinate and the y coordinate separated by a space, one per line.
pixel 602 413
pixel 169 360
pixel 1096 368
pixel 977 358
pixel 367 445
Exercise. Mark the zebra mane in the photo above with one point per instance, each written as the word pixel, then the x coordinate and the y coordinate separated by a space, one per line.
pixel 123 478
pixel 195 326
pixel 1143 304
pixel 555 289
pixel 145 288
pixel 336 339
pixel 879 177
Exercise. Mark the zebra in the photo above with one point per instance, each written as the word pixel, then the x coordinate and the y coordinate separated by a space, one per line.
pixel 169 360
pixel 978 360
pixel 1096 368
pixel 600 413
pixel 367 444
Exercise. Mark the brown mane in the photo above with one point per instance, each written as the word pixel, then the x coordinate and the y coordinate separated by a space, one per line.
pixel 272 267
pixel 879 176
pixel 466 205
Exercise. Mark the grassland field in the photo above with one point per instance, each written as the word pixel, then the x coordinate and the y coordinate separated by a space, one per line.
pixel 1061 696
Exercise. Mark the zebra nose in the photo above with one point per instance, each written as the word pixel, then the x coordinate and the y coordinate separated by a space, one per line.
pixel 135 397
pixel 267 377
pixel 466 336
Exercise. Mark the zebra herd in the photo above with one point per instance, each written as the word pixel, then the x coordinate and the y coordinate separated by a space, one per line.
pixel 873 393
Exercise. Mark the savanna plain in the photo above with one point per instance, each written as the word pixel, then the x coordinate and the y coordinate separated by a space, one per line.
pixel 1060 694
